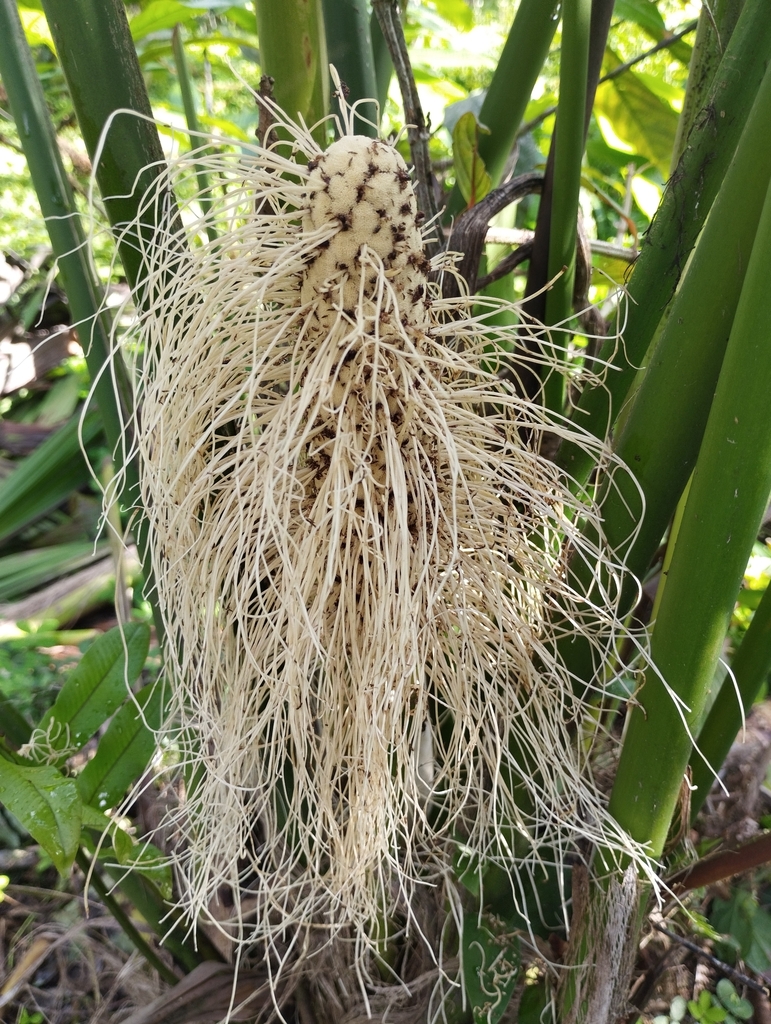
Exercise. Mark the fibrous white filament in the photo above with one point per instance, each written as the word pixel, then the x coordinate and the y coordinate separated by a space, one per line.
pixel 359 552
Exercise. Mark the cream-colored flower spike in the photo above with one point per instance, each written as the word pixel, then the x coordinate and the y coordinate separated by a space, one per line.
pixel 358 553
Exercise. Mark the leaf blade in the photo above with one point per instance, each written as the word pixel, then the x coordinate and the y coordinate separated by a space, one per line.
pixel 97 686
pixel 124 751
pixel 47 805
pixel 470 172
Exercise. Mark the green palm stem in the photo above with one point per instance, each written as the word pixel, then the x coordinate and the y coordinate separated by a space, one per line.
pixel 112 392
pixel 553 253
pixel 293 51
pixel 384 67
pixel 569 138
pixel 94 45
pixel 516 73
pixel 100 64
pixel 712 36
pixel 676 226
pixel 191 116
pixel 663 431
pixel 349 46
pixel 674 530
pixel 52 186
pixel 727 499
pixel 750 667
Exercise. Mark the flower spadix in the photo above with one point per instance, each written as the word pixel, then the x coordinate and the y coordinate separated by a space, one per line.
pixel 357 547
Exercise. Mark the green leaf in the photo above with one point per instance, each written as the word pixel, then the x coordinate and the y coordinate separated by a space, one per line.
pixel 644 13
pixel 219 5
pixel 160 15
pixel 48 806
pixel 457 12
pixel 490 967
pixel 94 819
pixel 145 858
pixel 24 571
pixel 629 112
pixel 535 999
pixel 95 688
pixel 124 751
pixel 715 1015
pixel 733 1002
pixel 13 725
pixel 47 477
pixel 744 921
pixel 470 172
pixel 243 18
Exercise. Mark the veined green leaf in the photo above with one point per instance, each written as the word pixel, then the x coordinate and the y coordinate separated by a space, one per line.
pixel 647 16
pixel 644 13
pixel 48 806
pixel 95 688
pixel 748 925
pixel 470 171
pixel 94 819
pixel 159 15
pixel 139 855
pixel 145 858
pixel 36 29
pixel 640 119
pixel 124 751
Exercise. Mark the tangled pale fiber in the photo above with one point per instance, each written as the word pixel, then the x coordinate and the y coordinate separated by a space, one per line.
pixel 359 553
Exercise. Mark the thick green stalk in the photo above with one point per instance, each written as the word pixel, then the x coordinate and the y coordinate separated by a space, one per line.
pixel 293 51
pixel 38 140
pixel 569 152
pixel 751 667
pixel 728 496
pixel 349 45
pixel 384 67
pixel 684 207
pixel 100 64
pixel 712 37
pixel 187 90
pixel 94 45
pixel 544 265
pixel 661 436
pixel 521 61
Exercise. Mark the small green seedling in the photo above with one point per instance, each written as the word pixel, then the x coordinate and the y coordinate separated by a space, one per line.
pixel 738 1008
pixel 706 1009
